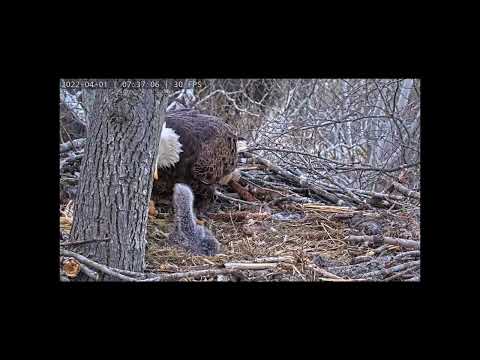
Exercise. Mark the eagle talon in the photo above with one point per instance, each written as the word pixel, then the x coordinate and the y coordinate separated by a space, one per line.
pixel 202 218
pixel 151 208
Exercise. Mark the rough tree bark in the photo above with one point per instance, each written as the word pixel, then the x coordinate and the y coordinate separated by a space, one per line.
pixel 116 176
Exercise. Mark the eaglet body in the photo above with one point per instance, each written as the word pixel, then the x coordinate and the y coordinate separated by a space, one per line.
pixel 186 232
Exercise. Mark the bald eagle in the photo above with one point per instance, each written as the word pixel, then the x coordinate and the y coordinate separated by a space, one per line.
pixel 197 150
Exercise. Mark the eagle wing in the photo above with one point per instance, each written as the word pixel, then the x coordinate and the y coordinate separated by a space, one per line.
pixel 217 156
pixel 209 152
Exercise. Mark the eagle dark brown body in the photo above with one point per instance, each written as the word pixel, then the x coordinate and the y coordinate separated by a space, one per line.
pixel 209 153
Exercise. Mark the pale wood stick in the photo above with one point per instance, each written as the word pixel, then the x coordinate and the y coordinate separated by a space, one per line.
pixel 193 274
pixel 388 240
pixel 249 266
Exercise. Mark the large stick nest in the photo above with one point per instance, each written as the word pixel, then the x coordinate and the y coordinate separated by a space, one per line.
pixel 296 243
pixel 291 233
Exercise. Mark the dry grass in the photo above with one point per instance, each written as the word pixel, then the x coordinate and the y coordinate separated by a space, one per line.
pixel 256 237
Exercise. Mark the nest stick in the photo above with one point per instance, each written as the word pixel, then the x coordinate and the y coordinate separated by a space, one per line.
pixel 95 265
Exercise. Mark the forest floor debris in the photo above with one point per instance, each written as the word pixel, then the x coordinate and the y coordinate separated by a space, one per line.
pixel 311 248
pixel 289 230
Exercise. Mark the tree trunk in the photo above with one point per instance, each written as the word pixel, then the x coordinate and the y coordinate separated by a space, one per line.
pixel 116 176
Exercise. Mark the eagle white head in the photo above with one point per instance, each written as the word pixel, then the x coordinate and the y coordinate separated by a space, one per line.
pixel 169 148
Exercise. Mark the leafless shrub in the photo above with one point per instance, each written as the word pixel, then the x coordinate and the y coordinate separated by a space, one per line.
pixel 357 133
pixel 346 133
